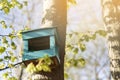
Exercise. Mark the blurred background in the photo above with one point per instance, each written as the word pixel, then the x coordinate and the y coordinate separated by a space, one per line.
pixel 83 17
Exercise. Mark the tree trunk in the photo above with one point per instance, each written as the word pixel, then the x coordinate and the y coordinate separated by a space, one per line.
pixel 55 15
pixel 112 21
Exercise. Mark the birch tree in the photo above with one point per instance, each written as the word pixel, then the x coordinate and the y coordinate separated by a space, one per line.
pixel 111 17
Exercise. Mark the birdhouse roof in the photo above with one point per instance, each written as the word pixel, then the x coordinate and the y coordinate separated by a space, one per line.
pixel 38 29
pixel 41 32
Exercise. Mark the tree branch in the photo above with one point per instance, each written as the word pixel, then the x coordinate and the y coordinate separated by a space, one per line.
pixel 9 67
pixel 4 35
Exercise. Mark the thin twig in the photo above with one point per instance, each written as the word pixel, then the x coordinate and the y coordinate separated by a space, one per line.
pixel 4 35
pixel 9 67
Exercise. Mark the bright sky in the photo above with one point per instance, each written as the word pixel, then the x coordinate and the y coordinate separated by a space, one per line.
pixel 86 15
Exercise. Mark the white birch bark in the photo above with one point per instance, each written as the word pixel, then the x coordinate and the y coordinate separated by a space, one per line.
pixel 111 19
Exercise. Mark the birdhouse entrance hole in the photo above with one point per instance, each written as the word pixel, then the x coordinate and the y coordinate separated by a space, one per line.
pixel 39 43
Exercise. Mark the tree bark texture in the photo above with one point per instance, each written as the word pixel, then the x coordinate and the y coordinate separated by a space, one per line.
pixel 111 17
pixel 55 15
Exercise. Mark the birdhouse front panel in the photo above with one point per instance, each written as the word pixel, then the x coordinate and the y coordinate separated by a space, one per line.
pixel 40 42
pixel 38 54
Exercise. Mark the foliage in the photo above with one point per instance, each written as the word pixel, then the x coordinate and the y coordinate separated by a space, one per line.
pixel 2 49
pixel 77 41
pixel 6 76
pixel 7 5
pixel 43 65
pixel 76 44
pixel 71 2
pixel 8 45
pixel 8 48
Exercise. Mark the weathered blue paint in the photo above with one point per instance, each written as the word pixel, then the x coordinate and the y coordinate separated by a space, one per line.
pixel 53 51
pixel 39 33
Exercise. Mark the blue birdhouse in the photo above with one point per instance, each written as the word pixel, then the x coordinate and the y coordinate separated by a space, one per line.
pixel 40 42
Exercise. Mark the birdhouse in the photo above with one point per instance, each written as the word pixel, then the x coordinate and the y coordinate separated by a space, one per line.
pixel 40 42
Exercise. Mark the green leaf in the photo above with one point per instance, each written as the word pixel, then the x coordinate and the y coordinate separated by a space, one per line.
pixel 4 40
pixel 70 35
pixel 69 47
pixel 19 34
pixel 2 49
pixel 10 65
pixel 11 26
pixel 13 58
pixel 47 60
pixel 26 28
pixel 86 38
pixel 2 66
pixel 5 75
pixel 11 36
pixel 67 64
pixel 102 33
pixel 10 52
pixel 7 57
pixel 25 3
pixel 46 68
pixel 1 60
pixel 13 3
pixel 11 6
pixel 39 67
pixel 12 78
pixel 3 24
pixel 82 47
pixel 1 5
pixel 31 68
pixel 66 75
pixel 6 10
pixel 20 6
pixel 73 2
pixel 75 63
pixel 13 46
pixel 44 64
pixel 82 61
pixel 75 51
